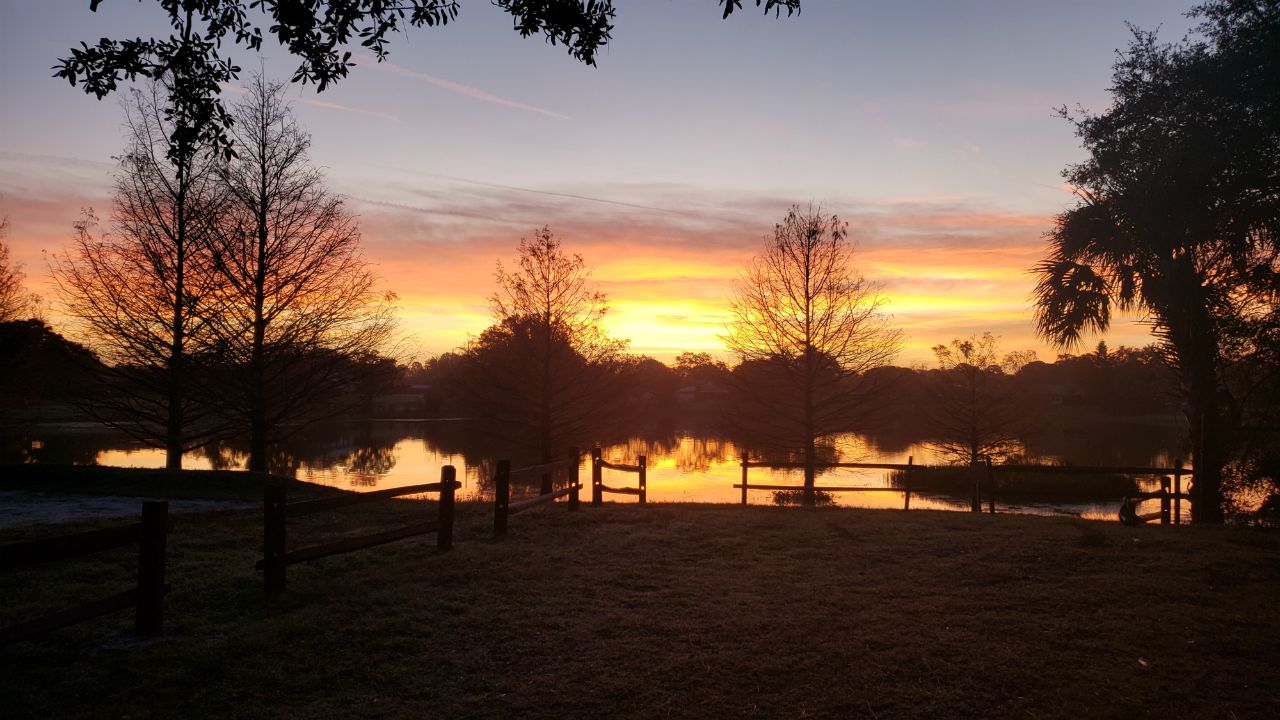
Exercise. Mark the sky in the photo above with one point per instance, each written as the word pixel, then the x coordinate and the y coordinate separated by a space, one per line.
pixel 929 126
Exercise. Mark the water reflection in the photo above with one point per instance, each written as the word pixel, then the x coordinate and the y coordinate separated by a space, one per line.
pixel 683 466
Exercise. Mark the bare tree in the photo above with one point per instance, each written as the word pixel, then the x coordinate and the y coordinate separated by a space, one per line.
pixel 12 302
pixel 973 410
pixel 296 312
pixel 546 362
pixel 805 326
pixel 137 291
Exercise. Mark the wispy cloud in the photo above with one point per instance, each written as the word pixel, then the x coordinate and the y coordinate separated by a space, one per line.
pixel 474 93
pixel 347 108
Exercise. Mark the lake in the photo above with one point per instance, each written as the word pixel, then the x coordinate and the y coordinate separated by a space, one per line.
pixel 684 465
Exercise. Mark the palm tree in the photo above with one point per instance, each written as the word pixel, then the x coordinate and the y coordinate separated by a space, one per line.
pixel 1179 215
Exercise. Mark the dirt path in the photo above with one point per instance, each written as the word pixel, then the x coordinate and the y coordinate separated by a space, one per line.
pixel 21 507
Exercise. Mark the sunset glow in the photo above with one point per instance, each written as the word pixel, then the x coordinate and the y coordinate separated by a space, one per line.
pixel 946 168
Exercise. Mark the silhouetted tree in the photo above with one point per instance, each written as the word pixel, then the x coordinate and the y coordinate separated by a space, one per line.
pixel 700 370
pixel 805 326
pixel 12 302
pixel 544 366
pixel 319 33
pixel 38 366
pixel 292 283
pixel 973 410
pixel 138 290
pixel 1179 213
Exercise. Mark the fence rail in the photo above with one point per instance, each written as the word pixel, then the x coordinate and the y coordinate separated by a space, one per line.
pixel 598 488
pixel 908 468
pixel 987 471
pixel 276 512
pixel 1129 514
pixel 147 597
pixel 503 508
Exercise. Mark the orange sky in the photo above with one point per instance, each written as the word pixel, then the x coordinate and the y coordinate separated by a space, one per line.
pixel 930 127
pixel 666 256
pixel 948 268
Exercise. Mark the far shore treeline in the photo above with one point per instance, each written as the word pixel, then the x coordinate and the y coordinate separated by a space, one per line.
pixel 225 297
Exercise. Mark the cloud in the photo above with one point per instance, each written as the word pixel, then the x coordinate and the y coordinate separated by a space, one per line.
pixel 667 255
pixel 346 108
pixel 453 87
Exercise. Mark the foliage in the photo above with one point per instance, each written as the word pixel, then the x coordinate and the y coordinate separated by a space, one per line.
pixel 318 32
pixel 293 292
pixel 1179 213
pixel 701 371
pixel 546 367
pixel 805 327
pixel 39 372
pixel 1029 486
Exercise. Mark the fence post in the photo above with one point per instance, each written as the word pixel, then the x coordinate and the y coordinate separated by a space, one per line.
pixel 573 479
pixel 1164 500
pixel 597 482
pixel 149 620
pixel 273 538
pixel 906 502
pixel 644 486
pixel 744 478
pixel 501 497
pixel 1177 492
pixel 991 488
pixel 975 502
pixel 444 536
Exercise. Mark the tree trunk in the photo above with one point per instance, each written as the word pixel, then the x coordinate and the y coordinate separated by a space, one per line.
pixel 257 356
pixel 1206 448
pixel 810 439
pixel 810 473
pixel 173 440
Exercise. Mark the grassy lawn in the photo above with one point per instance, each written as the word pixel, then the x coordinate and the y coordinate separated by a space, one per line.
pixel 674 611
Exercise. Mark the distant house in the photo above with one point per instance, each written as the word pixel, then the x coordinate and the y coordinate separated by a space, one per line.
pixel 704 392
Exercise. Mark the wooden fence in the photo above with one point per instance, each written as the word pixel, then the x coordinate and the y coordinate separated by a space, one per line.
pixel 908 468
pixel 598 488
pixel 147 596
pixel 1129 514
pixel 276 512
pixel 984 474
pixel 503 508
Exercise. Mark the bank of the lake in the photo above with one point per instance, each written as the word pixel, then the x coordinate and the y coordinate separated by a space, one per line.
pixel 673 610
pixel 685 464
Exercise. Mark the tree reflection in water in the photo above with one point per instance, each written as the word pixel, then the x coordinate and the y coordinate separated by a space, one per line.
pixel 695 463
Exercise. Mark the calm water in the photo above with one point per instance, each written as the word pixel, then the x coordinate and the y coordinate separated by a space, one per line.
pixel 682 466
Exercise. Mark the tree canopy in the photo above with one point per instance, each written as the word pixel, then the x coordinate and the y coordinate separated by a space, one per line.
pixel 974 411
pixel 805 326
pixel 319 33
pixel 1179 212
pixel 544 368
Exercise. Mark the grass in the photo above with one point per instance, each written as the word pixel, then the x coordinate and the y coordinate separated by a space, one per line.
pixel 674 611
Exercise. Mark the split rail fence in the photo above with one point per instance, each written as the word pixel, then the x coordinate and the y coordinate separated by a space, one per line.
pixel 984 474
pixel 276 513
pixel 1170 504
pixel 503 508
pixel 147 597
pixel 598 488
